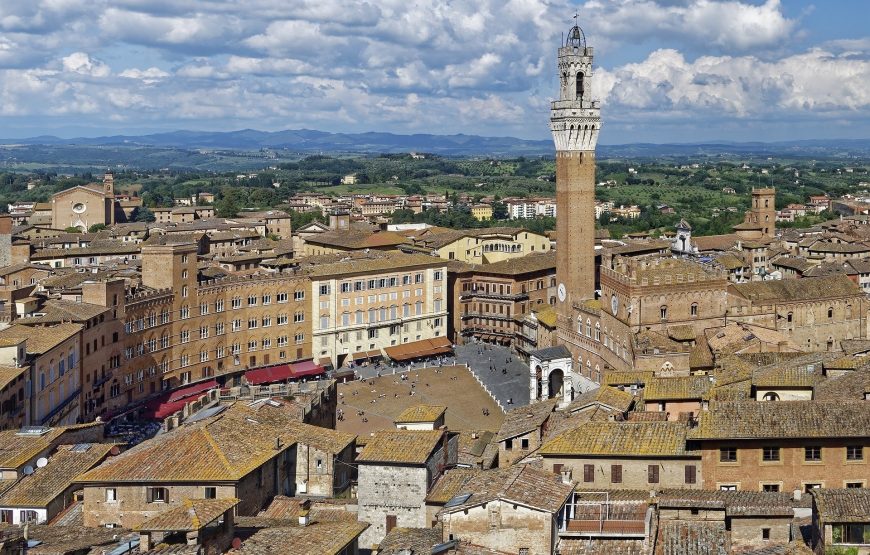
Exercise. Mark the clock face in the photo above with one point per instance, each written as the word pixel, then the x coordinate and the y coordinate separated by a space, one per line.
pixel 614 304
pixel 562 292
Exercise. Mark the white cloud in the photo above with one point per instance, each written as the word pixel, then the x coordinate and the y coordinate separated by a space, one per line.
pixel 81 62
pixel 816 81
pixel 477 66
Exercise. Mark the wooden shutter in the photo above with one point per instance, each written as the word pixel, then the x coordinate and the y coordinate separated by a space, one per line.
pixel 616 473
pixel 691 474
pixel 653 474
pixel 588 473
pixel 391 522
pixel 557 468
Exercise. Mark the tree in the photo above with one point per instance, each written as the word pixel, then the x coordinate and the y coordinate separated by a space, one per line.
pixel 96 227
pixel 226 208
pixel 499 210
pixel 143 214
pixel 72 229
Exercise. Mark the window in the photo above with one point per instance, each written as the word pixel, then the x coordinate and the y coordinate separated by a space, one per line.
pixel 850 533
pixel 770 488
pixel 652 472
pixel 830 313
pixel 253 323
pixel 728 487
pixel 282 297
pixel 236 302
pixel 185 336
pixel 810 487
pixel 770 454
pixel 813 454
pixel 852 485
pixel 616 473
pixel 185 312
pixel 210 493
pixel 346 287
pixel 298 295
pixel 691 474
pixel 111 495
pixel 28 516
pixel 299 317
pixel 157 495
pixel 524 443
pixel 588 473
pixel 508 444
pixel 324 289
pixel 765 533
pixel 324 322
pixel 219 305
pixel 728 454
pixel 854 453
pixel 663 312
pixel 694 309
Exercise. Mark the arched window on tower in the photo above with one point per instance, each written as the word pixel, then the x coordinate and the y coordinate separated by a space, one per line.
pixel 580 85
pixel 766 201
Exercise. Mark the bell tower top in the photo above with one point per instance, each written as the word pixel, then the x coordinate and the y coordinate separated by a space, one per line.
pixel 575 118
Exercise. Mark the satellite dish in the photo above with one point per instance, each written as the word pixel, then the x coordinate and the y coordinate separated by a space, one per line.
pixel 41 462
pixel 114 451
pixel 237 543
pixel 28 470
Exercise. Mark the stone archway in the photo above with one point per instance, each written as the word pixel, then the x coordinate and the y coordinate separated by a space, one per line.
pixel 556 383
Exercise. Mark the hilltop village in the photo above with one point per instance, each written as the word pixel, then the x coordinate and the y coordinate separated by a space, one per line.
pixel 202 384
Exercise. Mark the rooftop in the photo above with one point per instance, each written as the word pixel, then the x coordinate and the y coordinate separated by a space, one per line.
pixel 783 419
pixel 520 484
pixel 843 505
pixel 401 446
pixel 627 439
pixel 421 413
pixel 190 515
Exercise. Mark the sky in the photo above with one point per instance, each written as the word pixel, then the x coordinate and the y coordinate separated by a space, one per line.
pixel 666 71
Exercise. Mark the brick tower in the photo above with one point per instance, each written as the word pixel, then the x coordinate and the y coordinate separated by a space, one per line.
pixel 763 210
pixel 575 120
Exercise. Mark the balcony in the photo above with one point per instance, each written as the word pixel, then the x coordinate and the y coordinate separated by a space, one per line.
pixel 587 517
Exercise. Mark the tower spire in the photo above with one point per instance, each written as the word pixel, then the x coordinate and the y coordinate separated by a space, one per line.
pixel 575 121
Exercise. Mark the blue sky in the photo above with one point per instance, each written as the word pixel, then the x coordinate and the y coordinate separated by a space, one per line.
pixel 667 70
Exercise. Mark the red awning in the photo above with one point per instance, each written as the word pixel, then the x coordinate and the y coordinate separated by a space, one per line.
pixel 283 372
pixel 269 374
pixel 192 390
pixel 307 368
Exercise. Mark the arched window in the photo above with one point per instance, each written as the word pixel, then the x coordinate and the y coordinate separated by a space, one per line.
pixel 771 396
pixel 579 86
pixel 789 317
pixel 830 313
pixel 848 312
pixel 663 312
pixel 597 331
pixel 588 328
pixel 693 310
pixel 766 201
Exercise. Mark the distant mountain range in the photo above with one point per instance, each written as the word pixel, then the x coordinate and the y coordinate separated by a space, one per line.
pixel 312 141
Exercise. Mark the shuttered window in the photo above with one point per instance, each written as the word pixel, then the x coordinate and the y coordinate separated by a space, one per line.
pixel 691 474
pixel 616 473
pixel 653 474
pixel 588 473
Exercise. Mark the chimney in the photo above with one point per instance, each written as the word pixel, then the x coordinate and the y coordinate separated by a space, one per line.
pixel 305 513
pixel 566 475
pixel 797 495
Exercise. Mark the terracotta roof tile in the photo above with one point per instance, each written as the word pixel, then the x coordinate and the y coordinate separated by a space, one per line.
pixel 47 483
pixel 421 413
pixel 843 505
pixel 632 439
pixel 318 538
pixel 783 419
pixel 521 484
pixel 677 388
pixel 189 516
pixel 401 446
